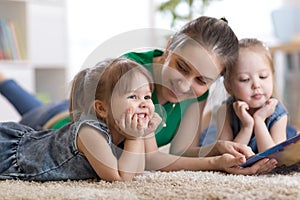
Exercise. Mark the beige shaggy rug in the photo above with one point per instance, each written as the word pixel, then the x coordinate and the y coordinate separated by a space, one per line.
pixel 163 185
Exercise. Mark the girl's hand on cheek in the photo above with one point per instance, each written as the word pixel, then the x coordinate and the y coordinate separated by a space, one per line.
pixel 154 122
pixel 241 109
pixel 267 110
pixel 130 125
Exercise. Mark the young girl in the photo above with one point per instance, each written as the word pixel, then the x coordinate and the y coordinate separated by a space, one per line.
pixel 111 111
pixel 253 115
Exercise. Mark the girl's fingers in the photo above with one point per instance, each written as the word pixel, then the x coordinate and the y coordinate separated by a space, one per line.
pixel 134 122
pixel 139 124
pixel 128 117
pixel 244 107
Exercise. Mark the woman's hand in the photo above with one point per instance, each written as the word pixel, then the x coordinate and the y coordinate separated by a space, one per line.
pixel 233 148
pixel 231 164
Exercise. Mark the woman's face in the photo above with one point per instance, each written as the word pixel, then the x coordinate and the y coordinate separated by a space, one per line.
pixel 188 72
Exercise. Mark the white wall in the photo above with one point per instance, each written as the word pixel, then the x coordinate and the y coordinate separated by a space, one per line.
pixel 248 18
pixel 92 22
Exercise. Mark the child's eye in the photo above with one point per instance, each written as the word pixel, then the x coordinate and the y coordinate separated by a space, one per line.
pixel 263 77
pixel 244 80
pixel 132 97
pixel 147 97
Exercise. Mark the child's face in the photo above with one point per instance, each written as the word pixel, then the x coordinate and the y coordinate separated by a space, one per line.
pixel 138 99
pixel 188 72
pixel 252 79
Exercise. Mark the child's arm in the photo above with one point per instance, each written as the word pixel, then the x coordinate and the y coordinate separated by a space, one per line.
pixel 95 147
pixel 266 139
pixel 241 110
pixel 225 131
pixel 132 161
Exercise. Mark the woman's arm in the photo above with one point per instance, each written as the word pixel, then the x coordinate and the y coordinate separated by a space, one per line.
pixel 98 152
pixel 185 142
pixel 156 160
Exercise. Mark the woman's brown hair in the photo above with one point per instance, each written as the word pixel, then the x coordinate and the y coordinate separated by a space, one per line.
pixel 212 34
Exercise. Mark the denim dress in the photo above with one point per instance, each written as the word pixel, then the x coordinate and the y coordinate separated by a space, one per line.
pixel 27 154
pixel 236 124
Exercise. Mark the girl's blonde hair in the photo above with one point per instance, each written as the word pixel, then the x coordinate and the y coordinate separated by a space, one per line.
pixel 99 82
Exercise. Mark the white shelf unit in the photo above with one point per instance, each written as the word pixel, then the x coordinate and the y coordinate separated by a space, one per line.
pixel 41 29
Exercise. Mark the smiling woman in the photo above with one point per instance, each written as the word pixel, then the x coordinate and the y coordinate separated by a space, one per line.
pixel 191 62
pixel 197 75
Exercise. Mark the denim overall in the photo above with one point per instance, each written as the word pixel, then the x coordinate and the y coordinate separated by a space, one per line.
pixel 49 155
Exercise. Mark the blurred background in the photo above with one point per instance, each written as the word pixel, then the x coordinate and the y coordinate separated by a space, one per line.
pixel 55 37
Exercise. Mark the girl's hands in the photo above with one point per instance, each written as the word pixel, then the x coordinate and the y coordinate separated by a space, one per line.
pixel 135 127
pixel 129 124
pixel 241 109
pixel 267 110
pixel 154 121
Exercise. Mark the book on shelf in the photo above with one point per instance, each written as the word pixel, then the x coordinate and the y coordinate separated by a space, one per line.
pixel 9 41
pixel 286 153
pixel 4 41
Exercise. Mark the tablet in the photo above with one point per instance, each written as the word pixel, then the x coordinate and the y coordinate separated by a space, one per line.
pixel 286 153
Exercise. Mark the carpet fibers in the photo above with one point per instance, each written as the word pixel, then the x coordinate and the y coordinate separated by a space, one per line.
pixel 163 185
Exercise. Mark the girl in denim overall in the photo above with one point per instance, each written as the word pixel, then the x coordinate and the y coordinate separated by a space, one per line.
pixel 112 113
